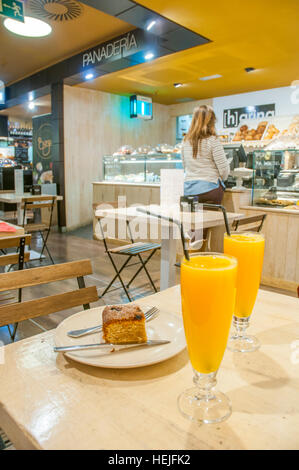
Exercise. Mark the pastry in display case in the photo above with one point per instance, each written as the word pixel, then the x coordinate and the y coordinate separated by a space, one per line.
pixel 272 132
pixel 124 150
pixel 276 178
pixel 245 133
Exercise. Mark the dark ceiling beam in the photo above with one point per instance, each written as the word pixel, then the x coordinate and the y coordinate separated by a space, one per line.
pixel 166 37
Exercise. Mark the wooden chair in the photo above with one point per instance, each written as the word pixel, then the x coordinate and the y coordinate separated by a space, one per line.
pixel 20 311
pixel 18 242
pixel 9 259
pixel 31 204
pixel 252 223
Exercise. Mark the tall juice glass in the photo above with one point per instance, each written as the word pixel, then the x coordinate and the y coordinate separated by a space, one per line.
pixel 248 248
pixel 208 288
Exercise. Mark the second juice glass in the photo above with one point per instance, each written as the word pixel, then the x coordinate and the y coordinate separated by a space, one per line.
pixel 248 248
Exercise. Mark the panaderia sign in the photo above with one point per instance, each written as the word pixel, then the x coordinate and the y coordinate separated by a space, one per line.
pixel 122 46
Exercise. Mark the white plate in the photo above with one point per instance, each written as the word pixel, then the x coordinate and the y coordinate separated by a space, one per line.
pixel 164 326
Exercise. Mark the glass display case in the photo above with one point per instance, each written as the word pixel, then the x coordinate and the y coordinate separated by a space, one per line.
pixel 139 168
pixel 276 178
pixel 7 152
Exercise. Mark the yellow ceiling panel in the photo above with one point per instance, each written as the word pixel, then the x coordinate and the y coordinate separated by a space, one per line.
pixel 167 75
pixel 259 34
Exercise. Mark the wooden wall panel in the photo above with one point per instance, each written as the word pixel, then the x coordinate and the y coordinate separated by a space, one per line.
pixel 281 261
pixel 97 124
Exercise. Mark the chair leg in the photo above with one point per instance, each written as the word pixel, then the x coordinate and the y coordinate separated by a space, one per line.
pixel 45 247
pixel 118 276
pixel 143 266
pixel 13 333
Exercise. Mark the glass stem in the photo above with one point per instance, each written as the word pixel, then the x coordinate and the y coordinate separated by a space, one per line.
pixel 241 325
pixel 205 384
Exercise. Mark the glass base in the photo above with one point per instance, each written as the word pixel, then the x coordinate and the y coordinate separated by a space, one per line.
pixel 243 343
pixel 240 341
pixel 197 407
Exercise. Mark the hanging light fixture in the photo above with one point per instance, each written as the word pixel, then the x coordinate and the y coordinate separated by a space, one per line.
pixel 32 27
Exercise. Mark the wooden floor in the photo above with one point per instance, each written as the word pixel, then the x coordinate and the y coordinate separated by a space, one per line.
pixel 75 246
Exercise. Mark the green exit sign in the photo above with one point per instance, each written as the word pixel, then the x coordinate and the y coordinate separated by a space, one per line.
pixel 12 9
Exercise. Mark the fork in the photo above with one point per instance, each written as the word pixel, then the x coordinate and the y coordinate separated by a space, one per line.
pixel 86 331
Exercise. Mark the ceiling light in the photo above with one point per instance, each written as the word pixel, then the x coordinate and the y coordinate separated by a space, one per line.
pixel 177 85
pixel 31 105
pixel 249 69
pixel 151 24
pixel 31 27
pixel 31 96
pixel 211 77
pixel 250 108
pixel 149 56
pixel 89 76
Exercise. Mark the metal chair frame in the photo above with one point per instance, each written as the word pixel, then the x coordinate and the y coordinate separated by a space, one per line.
pixel 249 220
pixel 130 252
pixel 180 224
pixel 47 229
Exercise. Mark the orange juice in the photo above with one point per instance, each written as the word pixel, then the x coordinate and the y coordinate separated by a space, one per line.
pixel 248 248
pixel 208 287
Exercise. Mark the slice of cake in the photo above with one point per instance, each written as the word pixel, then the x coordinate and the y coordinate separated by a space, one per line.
pixel 123 324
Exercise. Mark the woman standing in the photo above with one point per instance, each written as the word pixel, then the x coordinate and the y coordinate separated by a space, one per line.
pixel 204 160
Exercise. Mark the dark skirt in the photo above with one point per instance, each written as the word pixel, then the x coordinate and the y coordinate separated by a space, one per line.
pixel 212 197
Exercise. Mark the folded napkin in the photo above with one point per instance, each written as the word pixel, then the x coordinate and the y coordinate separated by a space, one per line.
pixel 4 227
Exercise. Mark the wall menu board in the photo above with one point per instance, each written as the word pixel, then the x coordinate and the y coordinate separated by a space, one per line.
pixel 21 154
pixel 42 149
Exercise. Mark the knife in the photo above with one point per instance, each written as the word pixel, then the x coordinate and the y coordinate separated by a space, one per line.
pixel 84 347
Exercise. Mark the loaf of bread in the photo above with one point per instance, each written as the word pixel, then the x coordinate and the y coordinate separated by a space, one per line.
pixel 123 324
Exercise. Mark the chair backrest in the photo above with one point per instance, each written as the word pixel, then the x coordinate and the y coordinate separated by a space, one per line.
pixel 253 223
pixel 15 312
pixel 218 207
pixel 18 242
pixel 98 229
pixel 33 203
pixel 101 205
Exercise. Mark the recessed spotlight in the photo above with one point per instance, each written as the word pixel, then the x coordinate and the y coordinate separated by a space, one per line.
pixel 31 105
pixel 177 85
pixel 250 108
pixel 89 76
pixel 249 69
pixel 31 96
pixel 149 56
pixel 151 25
pixel 211 77
pixel 32 27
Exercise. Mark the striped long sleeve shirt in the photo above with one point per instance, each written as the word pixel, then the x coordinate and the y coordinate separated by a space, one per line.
pixel 211 163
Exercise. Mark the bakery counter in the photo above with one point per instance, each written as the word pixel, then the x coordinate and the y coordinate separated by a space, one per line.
pixel 281 261
pixel 149 193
